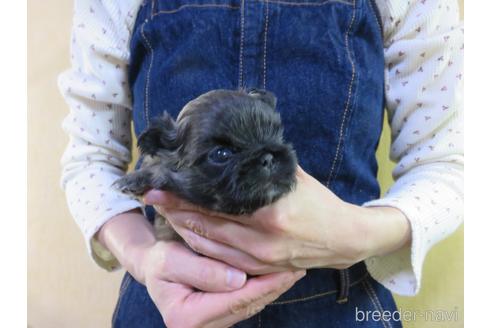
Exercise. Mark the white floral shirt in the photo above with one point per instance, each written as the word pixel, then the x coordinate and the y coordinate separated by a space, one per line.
pixel 423 48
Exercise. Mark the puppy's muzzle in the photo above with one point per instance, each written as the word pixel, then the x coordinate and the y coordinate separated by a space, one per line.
pixel 267 161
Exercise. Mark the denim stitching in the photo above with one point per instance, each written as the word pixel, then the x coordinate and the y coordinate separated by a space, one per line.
pixel 347 278
pixel 307 4
pixel 308 298
pixel 265 45
pixel 343 286
pixel 204 5
pixel 152 9
pixel 214 5
pixel 347 281
pixel 349 128
pixel 349 96
pixel 369 286
pixel 240 83
pixel 375 300
pixel 259 320
pixel 375 16
pixel 124 285
pixel 147 79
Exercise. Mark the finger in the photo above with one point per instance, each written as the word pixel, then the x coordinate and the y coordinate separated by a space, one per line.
pixel 225 309
pixel 224 231
pixel 300 171
pixel 181 265
pixel 267 289
pixel 167 199
pixel 227 254
pixel 164 199
pixel 166 294
pixel 242 310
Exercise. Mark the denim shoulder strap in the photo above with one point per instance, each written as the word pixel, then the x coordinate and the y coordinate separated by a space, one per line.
pixel 322 58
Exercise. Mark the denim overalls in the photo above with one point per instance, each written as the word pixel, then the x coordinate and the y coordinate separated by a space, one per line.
pixel 323 59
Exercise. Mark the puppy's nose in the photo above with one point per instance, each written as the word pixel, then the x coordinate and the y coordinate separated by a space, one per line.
pixel 267 160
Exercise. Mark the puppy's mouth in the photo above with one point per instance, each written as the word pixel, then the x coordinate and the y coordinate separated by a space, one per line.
pixel 261 179
pixel 274 182
pixel 271 193
pixel 265 193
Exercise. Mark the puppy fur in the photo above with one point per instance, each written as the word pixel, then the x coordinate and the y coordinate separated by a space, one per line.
pixel 225 152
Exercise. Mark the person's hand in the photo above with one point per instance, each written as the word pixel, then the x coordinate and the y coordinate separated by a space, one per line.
pixel 189 290
pixel 310 227
pixel 182 306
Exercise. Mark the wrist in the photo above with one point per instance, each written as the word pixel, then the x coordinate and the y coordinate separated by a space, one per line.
pixel 135 259
pixel 129 236
pixel 385 230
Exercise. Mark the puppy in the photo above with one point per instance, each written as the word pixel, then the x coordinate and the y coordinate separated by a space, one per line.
pixel 225 152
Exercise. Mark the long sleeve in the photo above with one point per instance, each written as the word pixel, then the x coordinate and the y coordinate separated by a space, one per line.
pixel 424 63
pixel 423 54
pixel 99 121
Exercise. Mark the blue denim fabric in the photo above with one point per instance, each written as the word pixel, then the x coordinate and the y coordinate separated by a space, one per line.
pixel 324 61
pixel 311 303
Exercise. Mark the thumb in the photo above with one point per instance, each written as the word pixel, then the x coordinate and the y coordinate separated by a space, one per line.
pixel 225 309
pixel 188 268
pixel 163 198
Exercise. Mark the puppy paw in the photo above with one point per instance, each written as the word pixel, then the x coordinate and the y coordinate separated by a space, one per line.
pixel 131 185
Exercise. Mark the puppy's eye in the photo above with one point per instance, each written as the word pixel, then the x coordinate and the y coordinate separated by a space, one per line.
pixel 220 155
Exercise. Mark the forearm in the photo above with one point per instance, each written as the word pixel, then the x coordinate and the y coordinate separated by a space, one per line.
pixel 127 236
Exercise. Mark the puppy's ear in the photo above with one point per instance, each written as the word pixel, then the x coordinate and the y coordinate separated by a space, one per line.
pixel 265 96
pixel 161 134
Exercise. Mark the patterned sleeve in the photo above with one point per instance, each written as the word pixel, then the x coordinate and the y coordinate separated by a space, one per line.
pixel 424 74
pixel 98 124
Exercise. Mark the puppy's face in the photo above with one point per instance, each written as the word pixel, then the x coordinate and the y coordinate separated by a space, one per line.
pixel 225 152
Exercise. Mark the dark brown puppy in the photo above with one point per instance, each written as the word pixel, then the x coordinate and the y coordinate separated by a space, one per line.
pixel 225 152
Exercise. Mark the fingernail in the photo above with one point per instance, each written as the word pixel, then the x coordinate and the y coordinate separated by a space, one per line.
pixel 151 197
pixel 235 278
